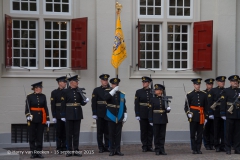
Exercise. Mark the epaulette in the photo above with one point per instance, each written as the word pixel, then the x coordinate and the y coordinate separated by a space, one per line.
pixel 204 92
pixel 122 92
pixel 30 93
pixel 189 92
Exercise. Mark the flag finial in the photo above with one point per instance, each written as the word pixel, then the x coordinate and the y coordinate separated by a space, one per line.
pixel 118 7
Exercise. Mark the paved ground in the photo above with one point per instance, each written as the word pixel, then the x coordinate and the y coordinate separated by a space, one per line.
pixel 174 150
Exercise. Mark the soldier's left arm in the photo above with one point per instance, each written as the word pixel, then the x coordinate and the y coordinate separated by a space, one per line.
pixel 46 108
pixel 125 108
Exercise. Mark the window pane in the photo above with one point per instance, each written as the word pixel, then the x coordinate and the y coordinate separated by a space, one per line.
pixel 47 53
pixel 33 7
pixel 48 25
pixel 149 46
pixel 149 64
pixel 184 37
pixel 55 53
pixel 142 64
pixel 156 64
pixel 184 55
pixel 186 11
pixel 48 63
pixel 24 6
pixel 170 46
pixel 177 37
pixel 156 28
pixel 16 43
pixel 63 35
pixel 142 46
pixel 184 28
pixel 32 34
pixel 187 3
pixel 184 64
pixel 63 63
pixel 172 11
pixel 170 55
pixel 149 55
pixel 32 44
pixel 56 25
pixel 184 46
pixel 63 54
pixel 55 44
pixel 32 24
pixel 180 3
pixel 177 64
pixel 55 34
pixel 24 53
pixel 16 6
pixel 25 62
pixel 24 34
pixel 172 2
pixel 170 37
pixel 16 24
pixel 157 11
pixel 63 44
pixel 16 33
pixel 157 2
pixel 48 35
pixel 177 46
pixel 48 44
pixel 55 63
pixel 170 28
pixel 156 37
pixel 179 11
pixel 63 25
pixel 143 2
pixel 142 37
pixel 24 24
pixel 16 53
pixel 177 55
pixel 149 28
pixel 57 8
pixel 150 2
pixel 32 62
pixel 65 8
pixel 142 10
pixel 156 55
pixel 170 64
pixel 49 7
pixel 16 62
pixel 142 55
pixel 150 10
pixel 177 28
pixel 149 37
pixel 156 46
pixel 142 28
pixel 65 1
pixel 24 43
pixel 32 53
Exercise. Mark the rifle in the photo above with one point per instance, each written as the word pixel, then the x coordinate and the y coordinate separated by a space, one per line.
pixel 188 112
pixel 230 110
pixel 28 122
pixel 165 97
pixel 213 107
pixel 152 89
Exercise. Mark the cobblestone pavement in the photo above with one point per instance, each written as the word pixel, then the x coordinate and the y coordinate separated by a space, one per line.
pixel 174 150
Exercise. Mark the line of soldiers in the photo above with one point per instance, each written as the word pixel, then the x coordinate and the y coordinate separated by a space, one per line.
pixel 214 115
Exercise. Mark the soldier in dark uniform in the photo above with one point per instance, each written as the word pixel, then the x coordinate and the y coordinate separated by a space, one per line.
pixel 56 110
pixel 37 117
pixel 195 108
pixel 116 115
pixel 208 133
pixel 158 118
pixel 215 96
pixel 231 95
pixel 99 112
pixel 71 113
pixel 142 99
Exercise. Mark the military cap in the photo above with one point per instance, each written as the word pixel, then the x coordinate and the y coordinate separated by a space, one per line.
pixel 104 77
pixel 221 78
pixel 159 87
pixel 209 80
pixel 62 79
pixel 74 78
pixel 196 80
pixel 115 80
pixel 233 78
pixel 146 79
pixel 38 84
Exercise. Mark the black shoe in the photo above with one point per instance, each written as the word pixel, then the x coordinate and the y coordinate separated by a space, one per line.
pixel 119 153
pixel 208 148
pixel 157 153
pixel 237 152
pixel 228 152
pixel 77 153
pixel 150 150
pixel 33 156
pixel 106 149
pixel 218 150
pixel 211 148
pixel 199 152
pixel 101 150
pixel 144 150
pixel 68 154
pixel 40 156
pixel 194 152
pixel 163 153
pixel 111 153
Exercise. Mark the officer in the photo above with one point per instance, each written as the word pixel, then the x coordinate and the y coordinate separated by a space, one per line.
pixel 158 119
pixel 195 108
pixel 56 110
pixel 230 112
pixel 116 115
pixel 99 112
pixel 142 100
pixel 71 113
pixel 214 99
pixel 36 111
pixel 208 133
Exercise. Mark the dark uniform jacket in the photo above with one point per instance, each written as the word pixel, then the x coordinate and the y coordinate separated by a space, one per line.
pixel 213 96
pixel 37 101
pixel 71 96
pixel 230 94
pixel 114 100
pixel 98 95
pixel 142 96
pixel 207 112
pixel 157 105
pixel 199 99
pixel 56 103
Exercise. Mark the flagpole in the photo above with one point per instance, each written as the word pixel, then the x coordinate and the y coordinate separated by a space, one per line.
pixel 118 8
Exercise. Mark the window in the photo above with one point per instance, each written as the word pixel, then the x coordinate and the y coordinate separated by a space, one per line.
pixel 56 44
pixel 150 8
pixel 57 6
pixel 24 46
pixel 28 6
pixel 179 8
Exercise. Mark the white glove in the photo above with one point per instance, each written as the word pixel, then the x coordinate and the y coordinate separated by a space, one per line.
pixel 48 123
pixel 125 117
pixel 151 124
pixel 138 118
pixel 223 117
pixel 94 117
pixel 29 118
pixel 63 119
pixel 87 100
pixel 205 122
pixel 189 115
pixel 54 120
pixel 114 90
pixel 211 117
pixel 168 109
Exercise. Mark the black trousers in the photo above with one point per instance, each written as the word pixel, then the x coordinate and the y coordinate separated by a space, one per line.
pixel 159 131
pixel 196 133
pixel 102 132
pixel 208 133
pixel 115 132
pixel 218 132
pixel 232 134
pixel 146 133
pixel 60 135
pixel 36 136
pixel 72 134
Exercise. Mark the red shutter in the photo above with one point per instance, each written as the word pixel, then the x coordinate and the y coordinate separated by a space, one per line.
pixel 79 44
pixel 139 44
pixel 202 46
pixel 8 41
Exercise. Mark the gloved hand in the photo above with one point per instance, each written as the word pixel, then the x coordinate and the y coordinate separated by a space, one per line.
pixel 211 117
pixel 29 118
pixel 54 120
pixel 48 123
pixel 125 117
pixel 189 115
pixel 87 100
pixel 114 90
pixel 151 124
pixel 223 117
pixel 138 118
pixel 63 119
pixel 168 108
pixel 205 122
pixel 94 117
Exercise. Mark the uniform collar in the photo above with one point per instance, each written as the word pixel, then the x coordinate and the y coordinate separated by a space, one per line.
pixel 37 93
pixel 220 87
pixel 103 87
pixel 146 89
pixel 196 91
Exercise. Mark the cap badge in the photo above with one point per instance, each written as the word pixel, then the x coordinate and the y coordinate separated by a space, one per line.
pixel 211 80
pixel 115 80
pixel 143 78
pixel 223 78
pixel 235 77
pixel 105 76
pixel 156 86
pixel 198 80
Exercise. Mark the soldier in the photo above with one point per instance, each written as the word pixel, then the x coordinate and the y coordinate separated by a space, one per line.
pixel 214 99
pixel 37 116
pixel 71 113
pixel 142 99
pixel 99 112
pixel 56 110
pixel 195 108
pixel 158 119
pixel 230 112
pixel 116 115
pixel 208 133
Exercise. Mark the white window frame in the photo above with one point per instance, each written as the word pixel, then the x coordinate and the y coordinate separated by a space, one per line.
pixel 151 16
pixel 24 12
pixel 57 13
pixel 181 17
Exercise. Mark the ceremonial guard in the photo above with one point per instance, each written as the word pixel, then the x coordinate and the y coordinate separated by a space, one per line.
pixel 56 110
pixel 208 133
pixel 99 112
pixel 158 119
pixel 230 112
pixel 116 115
pixel 142 100
pixel 195 108
pixel 214 102
pixel 36 111
pixel 71 113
